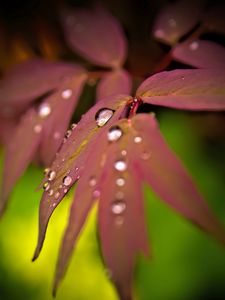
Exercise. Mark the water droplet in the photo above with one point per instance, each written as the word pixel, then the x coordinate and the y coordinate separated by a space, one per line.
pixel 73 126
pixel 123 152
pixel 67 180
pixel 76 169
pixel 194 46
pixel 46 170
pixel 103 116
pixel 172 22
pixel 137 139
pixel 146 155
pixel 114 133
pixel 120 181
pixel 51 175
pixel 92 181
pixel 66 94
pixel 65 191
pixel 37 128
pixel 46 186
pixel 96 194
pixel 119 220
pixel 68 133
pixel 56 135
pixel 57 194
pixel 54 204
pixel 120 165
pixel 44 110
pixel 118 207
pixel 50 192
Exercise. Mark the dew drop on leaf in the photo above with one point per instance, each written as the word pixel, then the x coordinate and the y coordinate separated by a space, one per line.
pixel 114 134
pixel 194 46
pixel 66 94
pixel 57 195
pixel 103 116
pixel 118 207
pixel 73 126
pixel 137 139
pixel 50 193
pixel 123 152
pixel 67 180
pixel 37 128
pixel 68 133
pixel 44 110
pixel 51 175
pixel 120 165
pixel 120 182
pixel 92 181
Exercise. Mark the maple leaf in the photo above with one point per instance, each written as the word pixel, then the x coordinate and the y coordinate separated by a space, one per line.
pixel 122 150
pixel 39 133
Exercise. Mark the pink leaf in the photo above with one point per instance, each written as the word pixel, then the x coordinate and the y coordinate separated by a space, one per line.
pixel 186 89
pixel 34 130
pixel 19 152
pixel 72 157
pixel 200 54
pixel 114 83
pixel 177 19
pixel 168 178
pixel 30 80
pixel 96 35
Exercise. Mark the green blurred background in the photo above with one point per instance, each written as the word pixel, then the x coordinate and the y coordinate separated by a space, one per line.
pixel 186 264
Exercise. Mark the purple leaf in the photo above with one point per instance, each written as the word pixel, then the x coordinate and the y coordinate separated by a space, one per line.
pixel 96 35
pixel 71 160
pixel 114 83
pixel 200 54
pixel 30 80
pixel 168 178
pixel 186 89
pixel 19 152
pixel 34 130
pixel 214 19
pixel 177 19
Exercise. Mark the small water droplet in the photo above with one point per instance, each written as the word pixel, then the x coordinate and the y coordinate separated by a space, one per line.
pixel 118 207
pixel 51 175
pixel 57 194
pixel 56 135
pixel 37 128
pixel 76 169
pixel 46 186
pixel 66 94
pixel 103 116
pixel 96 194
pixel 194 46
pixel 44 110
pixel 120 182
pixel 123 152
pixel 65 191
pixel 114 133
pixel 92 181
pixel 46 171
pixel 68 133
pixel 172 22
pixel 54 204
pixel 120 165
pixel 67 180
pixel 73 126
pixel 119 220
pixel 137 139
pixel 146 155
pixel 50 192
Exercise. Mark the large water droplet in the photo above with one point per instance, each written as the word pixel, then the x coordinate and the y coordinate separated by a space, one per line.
pixel 67 180
pixel 103 116
pixel 118 207
pixel 120 181
pixel 120 165
pixel 44 110
pixel 51 175
pixel 66 94
pixel 114 133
